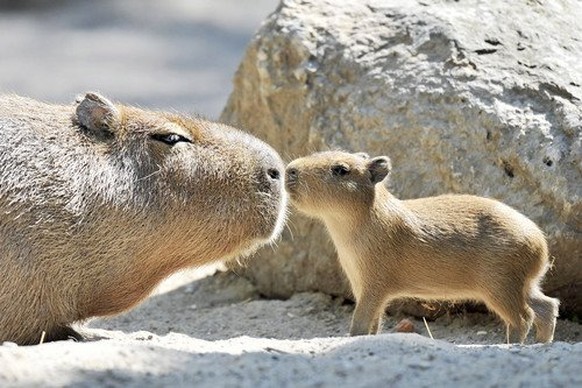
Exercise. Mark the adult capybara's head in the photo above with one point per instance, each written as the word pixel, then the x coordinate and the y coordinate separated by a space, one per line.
pixel 332 181
pixel 99 202
pixel 208 188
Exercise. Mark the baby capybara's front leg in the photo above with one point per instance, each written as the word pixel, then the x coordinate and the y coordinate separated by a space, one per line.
pixel 367 316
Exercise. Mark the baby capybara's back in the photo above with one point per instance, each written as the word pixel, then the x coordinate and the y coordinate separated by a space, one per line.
pixel 471 243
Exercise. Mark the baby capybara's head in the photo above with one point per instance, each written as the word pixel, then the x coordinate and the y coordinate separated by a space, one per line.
pixel 334 181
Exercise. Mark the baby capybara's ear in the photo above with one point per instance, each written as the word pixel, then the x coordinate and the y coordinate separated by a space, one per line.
pixel 379 167
pixel 97 114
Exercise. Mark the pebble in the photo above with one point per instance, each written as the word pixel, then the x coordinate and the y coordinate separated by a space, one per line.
pixel 405 326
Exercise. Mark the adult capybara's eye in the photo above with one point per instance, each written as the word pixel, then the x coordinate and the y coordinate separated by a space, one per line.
pixel 340 170
pixel 170 138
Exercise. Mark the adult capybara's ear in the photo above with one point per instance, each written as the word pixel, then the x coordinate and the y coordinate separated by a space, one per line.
pixel 379 167
pixel 97 114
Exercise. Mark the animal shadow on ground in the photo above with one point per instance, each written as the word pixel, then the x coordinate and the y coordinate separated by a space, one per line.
pixel 225 305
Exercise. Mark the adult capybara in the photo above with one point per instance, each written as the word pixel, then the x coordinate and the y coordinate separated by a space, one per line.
pixel 450 247
pixel 99 202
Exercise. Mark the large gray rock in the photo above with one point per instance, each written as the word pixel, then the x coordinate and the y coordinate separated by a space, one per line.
pixel 467 97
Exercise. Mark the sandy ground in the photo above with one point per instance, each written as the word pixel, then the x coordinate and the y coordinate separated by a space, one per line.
pixel 217 331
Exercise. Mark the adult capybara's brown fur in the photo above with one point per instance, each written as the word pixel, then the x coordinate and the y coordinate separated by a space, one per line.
pixel 450 247
pixel 99 202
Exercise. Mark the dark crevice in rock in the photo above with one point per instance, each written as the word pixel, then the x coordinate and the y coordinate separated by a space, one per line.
pixel 508 168
pixel 558 91
pixel 548 162
pixel 527 65
pixel 493 42
pixel 485 51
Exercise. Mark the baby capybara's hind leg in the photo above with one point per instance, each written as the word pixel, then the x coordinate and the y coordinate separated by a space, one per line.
pixel 546 313
pixel 515 312
pixel 519 325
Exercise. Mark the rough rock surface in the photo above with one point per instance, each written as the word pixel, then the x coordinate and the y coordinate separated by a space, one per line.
pixel 468 97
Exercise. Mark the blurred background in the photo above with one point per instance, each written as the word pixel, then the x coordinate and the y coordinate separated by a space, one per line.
pixel 173 54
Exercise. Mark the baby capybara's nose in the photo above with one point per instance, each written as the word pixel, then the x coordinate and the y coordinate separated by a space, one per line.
pixel 291 175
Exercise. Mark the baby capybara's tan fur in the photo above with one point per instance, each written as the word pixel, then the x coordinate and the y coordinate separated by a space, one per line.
pixel 99 202
pixel 450 247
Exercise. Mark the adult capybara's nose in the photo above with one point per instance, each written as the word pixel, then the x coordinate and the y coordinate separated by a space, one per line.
pixel 274 173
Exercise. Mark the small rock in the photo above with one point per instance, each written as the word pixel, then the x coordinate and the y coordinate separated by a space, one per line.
pixel 9 344
pixel 405 326
pixel 481 332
